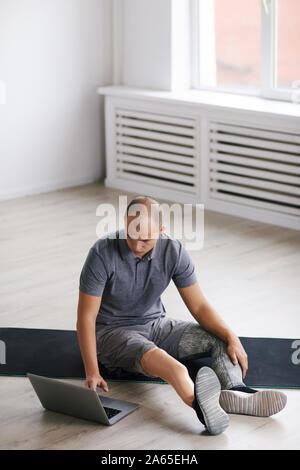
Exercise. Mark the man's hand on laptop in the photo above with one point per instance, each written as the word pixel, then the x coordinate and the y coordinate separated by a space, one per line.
pixel 93 381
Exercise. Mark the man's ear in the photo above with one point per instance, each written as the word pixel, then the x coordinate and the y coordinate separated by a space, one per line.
pixel 162 229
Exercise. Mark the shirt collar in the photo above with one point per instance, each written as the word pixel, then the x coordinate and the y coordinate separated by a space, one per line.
pixel 127 253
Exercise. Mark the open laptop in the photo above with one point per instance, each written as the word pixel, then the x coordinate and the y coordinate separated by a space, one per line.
pixel 78 401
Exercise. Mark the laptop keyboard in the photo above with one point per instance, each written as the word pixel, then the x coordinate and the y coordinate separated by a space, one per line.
pixel 110 412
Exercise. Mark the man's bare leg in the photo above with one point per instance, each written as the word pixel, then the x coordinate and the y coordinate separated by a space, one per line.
pixel 159 363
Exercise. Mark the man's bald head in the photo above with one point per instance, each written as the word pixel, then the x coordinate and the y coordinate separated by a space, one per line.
pixel 144 215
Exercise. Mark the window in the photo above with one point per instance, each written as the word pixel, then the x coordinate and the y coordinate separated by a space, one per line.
pixel 249 47
pixel 237 44
pixel 288 49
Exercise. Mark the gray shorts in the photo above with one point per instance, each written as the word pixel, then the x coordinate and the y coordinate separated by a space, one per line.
pixel 122 348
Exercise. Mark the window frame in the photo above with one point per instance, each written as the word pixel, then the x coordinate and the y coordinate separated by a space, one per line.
pixel 269 38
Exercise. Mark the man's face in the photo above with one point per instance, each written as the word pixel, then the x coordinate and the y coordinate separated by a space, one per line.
pixel 141 237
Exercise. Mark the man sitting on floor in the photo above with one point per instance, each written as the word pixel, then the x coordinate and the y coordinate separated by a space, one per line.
pixel 121 283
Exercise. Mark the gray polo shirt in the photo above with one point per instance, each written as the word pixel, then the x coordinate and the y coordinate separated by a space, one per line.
pixel 131 286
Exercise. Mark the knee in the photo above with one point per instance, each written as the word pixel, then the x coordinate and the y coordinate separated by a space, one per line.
pixel 148 355
pixel 220 345
pixel 159 358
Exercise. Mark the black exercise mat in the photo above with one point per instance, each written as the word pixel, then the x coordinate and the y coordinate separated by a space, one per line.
pixel 273 362
pixel 52 353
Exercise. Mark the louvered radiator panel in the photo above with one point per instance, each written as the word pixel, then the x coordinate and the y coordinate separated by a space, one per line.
pixel 255 167
pixel 156 149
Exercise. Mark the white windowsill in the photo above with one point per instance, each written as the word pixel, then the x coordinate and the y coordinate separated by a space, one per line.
pixel 208 99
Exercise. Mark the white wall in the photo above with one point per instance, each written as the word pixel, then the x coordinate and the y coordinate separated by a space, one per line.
pixel 53 56
pixel 146 43
pixel 152 43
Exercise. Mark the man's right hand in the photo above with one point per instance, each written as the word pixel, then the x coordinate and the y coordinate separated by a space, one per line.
pixel 93 381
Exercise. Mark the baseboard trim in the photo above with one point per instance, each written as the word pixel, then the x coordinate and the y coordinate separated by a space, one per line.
pixel 46 188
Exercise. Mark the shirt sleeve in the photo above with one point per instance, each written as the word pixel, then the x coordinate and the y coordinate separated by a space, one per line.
pixel 93 276
pixel 184 274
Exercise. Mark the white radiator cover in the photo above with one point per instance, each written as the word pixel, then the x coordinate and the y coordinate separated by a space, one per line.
pixel 156 149
pixel 232 162
pixel 255 167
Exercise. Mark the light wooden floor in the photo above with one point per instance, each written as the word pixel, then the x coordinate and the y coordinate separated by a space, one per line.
pixel 249 272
